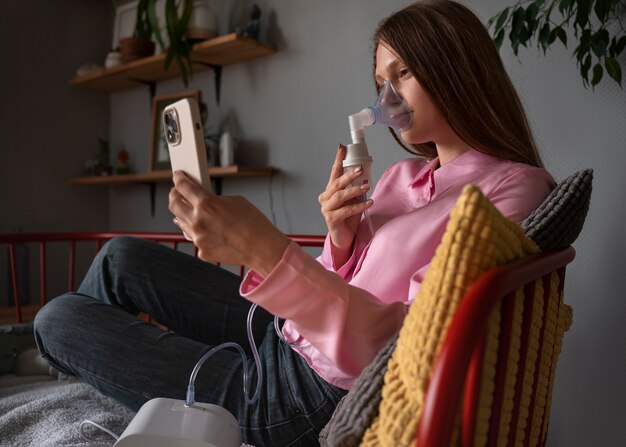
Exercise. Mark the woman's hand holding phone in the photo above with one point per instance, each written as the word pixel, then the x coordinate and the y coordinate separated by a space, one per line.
pixel 226 229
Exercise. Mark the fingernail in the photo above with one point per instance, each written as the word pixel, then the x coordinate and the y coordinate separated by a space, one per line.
pixel 365 187
pixel 358 170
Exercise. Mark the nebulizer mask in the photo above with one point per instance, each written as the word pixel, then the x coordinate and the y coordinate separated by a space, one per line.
pixel 390 110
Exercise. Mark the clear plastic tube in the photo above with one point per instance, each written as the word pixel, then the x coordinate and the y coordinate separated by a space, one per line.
pixel 368 220
pixel 293 344
pixel 190 398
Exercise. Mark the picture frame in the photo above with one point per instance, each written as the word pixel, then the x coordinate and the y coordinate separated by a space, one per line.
pixel 125 17
pixel 159 154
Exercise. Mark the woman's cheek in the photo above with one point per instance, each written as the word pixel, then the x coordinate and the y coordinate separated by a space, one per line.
pixel 416 133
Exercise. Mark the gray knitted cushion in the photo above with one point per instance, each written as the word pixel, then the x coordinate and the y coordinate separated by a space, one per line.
pixel 555 224
pixel 559 219
pixel 359 407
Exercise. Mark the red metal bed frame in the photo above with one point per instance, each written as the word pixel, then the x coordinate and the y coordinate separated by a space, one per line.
pixel 99 238
pixel 456 371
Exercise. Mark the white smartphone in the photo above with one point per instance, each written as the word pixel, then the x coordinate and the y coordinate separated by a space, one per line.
pixel 185 140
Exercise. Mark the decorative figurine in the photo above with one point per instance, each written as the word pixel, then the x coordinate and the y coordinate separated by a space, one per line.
pixel 251 29
pixel 121 165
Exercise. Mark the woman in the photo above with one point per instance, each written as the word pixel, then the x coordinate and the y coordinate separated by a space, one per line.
pixel 468 126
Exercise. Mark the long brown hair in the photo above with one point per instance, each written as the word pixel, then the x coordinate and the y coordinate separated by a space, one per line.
pixel 450 53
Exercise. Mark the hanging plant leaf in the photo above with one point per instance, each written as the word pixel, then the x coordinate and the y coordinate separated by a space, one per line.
pixel 565 5
pixel 614 69
pixel 583 46
pixel 620 45
pixel 544 36
pixel 598 27
pixel 597 74
pixel 499 38
pixel 154 23
pixel 562 35
pixel 531 17
pixel 601 8
pixel 518 21
pixel 502 18
pixel 600 42
pixel 582 13
pixel 584 69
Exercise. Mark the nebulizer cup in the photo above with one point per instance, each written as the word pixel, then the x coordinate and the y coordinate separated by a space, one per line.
pixel 390 110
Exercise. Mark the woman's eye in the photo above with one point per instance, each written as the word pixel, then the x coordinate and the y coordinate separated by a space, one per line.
pixel 404 73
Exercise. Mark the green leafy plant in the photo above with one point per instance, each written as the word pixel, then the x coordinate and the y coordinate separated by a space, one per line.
pixel 146 22
pixel 597 26
pixel 177 16
pixel 180 48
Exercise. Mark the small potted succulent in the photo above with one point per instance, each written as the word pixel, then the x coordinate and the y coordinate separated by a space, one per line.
pixel 140 44
pixel 177 18
pixel 182 28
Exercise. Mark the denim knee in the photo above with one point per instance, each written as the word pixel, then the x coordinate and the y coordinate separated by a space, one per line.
pixel 46 318
pixel 121 249
pixel 50 322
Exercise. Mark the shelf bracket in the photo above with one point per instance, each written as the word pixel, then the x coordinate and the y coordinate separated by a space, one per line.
pixel 151 86
pixel 217 70
pixel 152 186
pixel 218 186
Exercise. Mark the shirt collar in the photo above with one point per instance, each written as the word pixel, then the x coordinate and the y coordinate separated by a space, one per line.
pixel 456 170
pixel 443 177
pixel 426 171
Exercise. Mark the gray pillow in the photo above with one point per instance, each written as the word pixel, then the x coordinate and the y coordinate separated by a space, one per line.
pixel 357 409
pixel 555 224
pixel 559 219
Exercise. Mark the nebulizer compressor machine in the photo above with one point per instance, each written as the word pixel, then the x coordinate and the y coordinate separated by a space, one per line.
pixel 164 422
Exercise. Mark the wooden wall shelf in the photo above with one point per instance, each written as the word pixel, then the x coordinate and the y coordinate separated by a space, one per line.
pixel 219 51
pixel 166 176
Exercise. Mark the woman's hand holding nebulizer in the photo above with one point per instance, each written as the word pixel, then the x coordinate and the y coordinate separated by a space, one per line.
pixel 345 199
pixel 342 206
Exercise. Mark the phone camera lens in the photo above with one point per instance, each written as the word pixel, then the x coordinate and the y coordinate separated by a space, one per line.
pixel 168 119
pixel 174 126
pixel 170 136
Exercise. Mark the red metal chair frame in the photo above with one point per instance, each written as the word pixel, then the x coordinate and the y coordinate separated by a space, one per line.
pixel 457 367
pixel 99 238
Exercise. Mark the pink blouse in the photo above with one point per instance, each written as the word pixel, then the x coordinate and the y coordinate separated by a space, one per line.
pixel 342 315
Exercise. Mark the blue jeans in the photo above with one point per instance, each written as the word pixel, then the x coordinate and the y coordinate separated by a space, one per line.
pixel 95 335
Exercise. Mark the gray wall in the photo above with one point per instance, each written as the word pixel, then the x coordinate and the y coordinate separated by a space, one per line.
pixel 292 111
pixel 47 127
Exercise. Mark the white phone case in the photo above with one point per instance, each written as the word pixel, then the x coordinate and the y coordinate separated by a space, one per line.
pixel 185 140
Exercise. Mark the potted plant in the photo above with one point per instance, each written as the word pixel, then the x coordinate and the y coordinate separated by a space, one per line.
pixel 140 44
pixel 598 28
pixel 179 49
pixel 177 16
